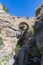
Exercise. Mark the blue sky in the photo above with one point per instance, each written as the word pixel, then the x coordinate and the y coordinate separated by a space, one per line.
pixel 22 7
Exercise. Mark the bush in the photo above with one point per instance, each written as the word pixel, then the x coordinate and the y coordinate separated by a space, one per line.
pixel 6 58
pixel 5 9
pixel 31 30
pixel 1 41
pixel 16 49
pixel 0 30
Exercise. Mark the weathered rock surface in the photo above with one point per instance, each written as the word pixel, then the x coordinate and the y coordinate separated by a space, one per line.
pixel 39 26
pixel 8 24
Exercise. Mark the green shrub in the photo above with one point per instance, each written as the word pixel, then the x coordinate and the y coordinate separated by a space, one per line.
pixel 0 63
pixel 16 49
pixel 5 9
pixel 6 58
pixel 0 30
pixel 31 31
pixel 5 64
pixel 1 41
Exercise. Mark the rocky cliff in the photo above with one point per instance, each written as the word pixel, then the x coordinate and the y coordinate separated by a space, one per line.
pixel 8 24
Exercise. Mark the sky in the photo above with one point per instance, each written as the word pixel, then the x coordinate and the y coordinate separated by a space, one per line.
pixel 24 8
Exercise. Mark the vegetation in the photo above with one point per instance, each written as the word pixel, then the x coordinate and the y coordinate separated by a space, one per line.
pixel 1 42
pixel 31 31
pixel 5 9
pixel 6 58
pixel 3 63
pixel 0 30
pixel 16 49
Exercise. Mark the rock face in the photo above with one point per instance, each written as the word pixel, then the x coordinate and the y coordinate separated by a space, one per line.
pixel 8 24
pixel 39 26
